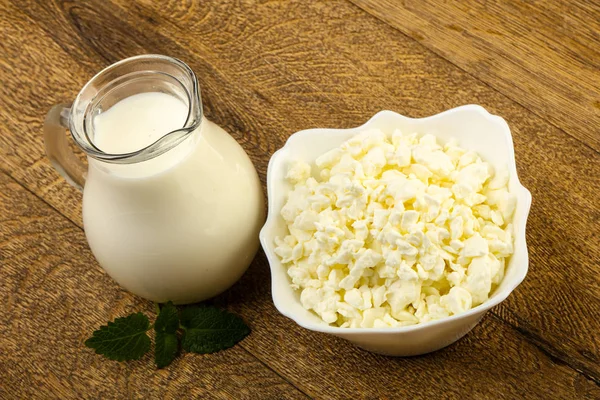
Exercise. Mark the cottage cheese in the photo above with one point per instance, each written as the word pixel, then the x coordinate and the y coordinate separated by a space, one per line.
pixel 395 231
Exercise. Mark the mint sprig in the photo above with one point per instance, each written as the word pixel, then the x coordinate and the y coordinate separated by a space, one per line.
pixel 166 342
pixel 123 339
pixel 166 349
pixel 208 329
pixel 203 329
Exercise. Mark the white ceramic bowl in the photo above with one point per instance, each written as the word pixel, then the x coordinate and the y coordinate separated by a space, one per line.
pixel 476 129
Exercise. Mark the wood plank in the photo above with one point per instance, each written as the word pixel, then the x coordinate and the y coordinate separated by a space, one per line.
pixel 54 295
pixel 259 85
pixel 33 78
pixel 544 55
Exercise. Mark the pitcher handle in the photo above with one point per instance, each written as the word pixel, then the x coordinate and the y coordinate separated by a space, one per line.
pixel 57 147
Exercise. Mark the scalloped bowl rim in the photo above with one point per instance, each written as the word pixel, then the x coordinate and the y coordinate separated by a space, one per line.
pixel 523 198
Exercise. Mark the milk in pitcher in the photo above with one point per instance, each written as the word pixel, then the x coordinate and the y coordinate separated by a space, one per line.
pixel 182 226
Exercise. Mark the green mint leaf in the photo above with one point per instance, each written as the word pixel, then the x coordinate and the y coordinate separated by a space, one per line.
pixel 123 339
pixel 166 348
pixel 166 343
pixel 168 319
pixel 208 329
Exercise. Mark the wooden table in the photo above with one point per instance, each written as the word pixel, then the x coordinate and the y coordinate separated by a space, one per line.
pixel 268 69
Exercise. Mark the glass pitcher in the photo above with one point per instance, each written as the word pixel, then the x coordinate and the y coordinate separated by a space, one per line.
pixel 177 218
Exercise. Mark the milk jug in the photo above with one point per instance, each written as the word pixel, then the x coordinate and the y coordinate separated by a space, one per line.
pixel 172 205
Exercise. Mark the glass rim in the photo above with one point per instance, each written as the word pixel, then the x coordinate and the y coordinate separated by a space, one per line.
pixel 166 142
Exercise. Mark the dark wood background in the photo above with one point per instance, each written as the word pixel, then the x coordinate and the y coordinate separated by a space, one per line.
pixel 268 69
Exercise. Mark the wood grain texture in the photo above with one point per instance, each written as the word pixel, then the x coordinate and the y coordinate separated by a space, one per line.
pixel 543 54
pixel 270 68
pixel 54 295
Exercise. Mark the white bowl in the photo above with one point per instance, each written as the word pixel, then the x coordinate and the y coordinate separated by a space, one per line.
pixel 476 129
